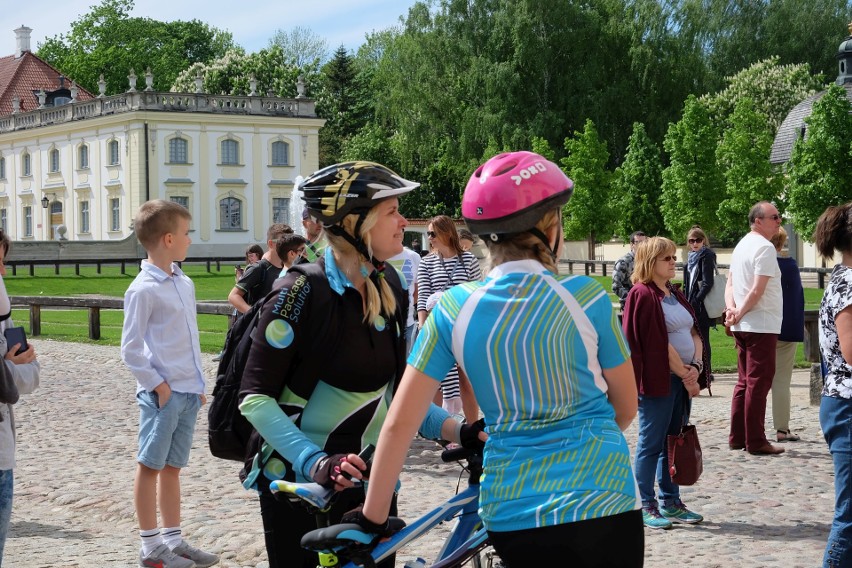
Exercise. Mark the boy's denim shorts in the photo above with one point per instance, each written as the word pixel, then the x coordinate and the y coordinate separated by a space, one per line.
pixel 165 434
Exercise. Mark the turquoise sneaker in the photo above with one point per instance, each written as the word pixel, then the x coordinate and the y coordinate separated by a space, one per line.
pixel 654 520
pixel 680 514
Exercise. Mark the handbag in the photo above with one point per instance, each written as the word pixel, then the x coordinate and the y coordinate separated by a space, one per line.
pixel 685 460
pixel 714 301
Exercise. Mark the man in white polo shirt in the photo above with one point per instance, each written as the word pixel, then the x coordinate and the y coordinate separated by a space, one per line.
pixel 754 309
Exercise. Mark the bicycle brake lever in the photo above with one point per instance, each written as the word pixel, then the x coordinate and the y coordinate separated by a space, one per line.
pixel 367 455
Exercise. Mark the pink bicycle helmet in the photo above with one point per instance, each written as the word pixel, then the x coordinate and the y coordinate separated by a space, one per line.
pixel 510 192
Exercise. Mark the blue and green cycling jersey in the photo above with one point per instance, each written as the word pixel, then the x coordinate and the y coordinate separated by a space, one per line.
pixel 534 345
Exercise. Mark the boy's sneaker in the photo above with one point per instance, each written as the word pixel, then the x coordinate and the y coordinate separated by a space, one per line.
pixel 654 520
pixel 679 513
pixel 162 557
pixel 202 559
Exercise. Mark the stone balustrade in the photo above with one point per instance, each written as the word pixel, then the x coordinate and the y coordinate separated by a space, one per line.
pixel 159 101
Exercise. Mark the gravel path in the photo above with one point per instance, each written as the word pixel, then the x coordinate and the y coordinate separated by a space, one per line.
pixel 74 482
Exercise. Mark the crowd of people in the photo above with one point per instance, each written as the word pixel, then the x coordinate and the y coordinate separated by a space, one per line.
pixel 420 346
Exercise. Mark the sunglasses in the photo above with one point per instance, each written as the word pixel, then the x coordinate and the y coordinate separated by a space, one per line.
pixel 670 258
pixel 430 234
pixel 693 241
pixel 774 217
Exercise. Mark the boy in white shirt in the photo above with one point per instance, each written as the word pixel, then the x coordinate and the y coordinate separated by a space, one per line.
pixel 160 346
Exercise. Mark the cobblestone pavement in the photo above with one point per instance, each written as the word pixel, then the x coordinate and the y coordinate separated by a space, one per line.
pixel 74 482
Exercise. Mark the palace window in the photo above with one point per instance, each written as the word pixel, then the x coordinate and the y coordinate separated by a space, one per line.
pixel 230 214
pixel 280 154
pixel 28 221
pixel 181 200
pixel 281 210
pixel 112 148
pixel 2 168
pixel 83 157
pixel 54 161
pixel 230 152
pixel 84 216
pixel 178 151
pixel 26 164
pixel 4 221
pixel 115 214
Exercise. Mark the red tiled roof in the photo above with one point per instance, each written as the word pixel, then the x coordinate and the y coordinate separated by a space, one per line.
pixel 23 75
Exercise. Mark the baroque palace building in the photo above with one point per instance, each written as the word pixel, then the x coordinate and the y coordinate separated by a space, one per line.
pixel 77 166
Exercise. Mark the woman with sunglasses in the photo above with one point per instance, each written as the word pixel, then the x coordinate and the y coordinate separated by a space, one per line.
pixel 446 266
pixel 667 355
pixel 698 277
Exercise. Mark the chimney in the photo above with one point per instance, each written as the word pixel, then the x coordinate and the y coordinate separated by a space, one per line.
pixel 22 41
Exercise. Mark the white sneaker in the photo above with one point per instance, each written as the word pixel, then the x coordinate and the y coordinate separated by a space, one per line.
pixel 201 558
pixel 162 557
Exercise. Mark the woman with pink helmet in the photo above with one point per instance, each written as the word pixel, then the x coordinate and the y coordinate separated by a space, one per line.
pixel 551 371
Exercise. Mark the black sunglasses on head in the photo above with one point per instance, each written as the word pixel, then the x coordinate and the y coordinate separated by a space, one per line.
pixel 430 234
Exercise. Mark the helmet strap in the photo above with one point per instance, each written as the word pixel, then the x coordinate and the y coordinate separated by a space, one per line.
pixel 551 248
pixel 358 244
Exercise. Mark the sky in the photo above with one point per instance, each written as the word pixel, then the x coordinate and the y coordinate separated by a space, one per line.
pixel 251 23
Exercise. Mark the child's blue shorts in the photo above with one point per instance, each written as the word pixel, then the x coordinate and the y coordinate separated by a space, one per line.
pixel 165 434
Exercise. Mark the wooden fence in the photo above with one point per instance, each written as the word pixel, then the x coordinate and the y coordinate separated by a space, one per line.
pixel 94 306
pixel 133 262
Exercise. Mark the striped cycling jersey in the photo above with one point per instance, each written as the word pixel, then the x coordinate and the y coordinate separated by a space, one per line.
pixel 533 345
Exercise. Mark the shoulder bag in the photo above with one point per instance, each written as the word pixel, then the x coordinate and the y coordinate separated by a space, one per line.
pixel 685 460
pixel 714 301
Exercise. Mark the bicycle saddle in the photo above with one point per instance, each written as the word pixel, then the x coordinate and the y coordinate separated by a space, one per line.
pixel 344 536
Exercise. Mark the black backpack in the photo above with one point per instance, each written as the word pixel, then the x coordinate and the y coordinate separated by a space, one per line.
pixel 229 433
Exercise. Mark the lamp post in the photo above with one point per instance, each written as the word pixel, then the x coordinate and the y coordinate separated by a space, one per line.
pixel 45 202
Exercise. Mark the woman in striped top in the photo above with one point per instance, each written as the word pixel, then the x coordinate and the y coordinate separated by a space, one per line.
pixel 446 266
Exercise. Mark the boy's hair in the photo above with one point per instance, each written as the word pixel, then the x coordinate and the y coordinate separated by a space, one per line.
pixel 289 242
pixel 277 230
pixel 155 218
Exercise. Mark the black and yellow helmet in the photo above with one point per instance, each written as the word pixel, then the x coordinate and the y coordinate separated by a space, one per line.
pixel 334 192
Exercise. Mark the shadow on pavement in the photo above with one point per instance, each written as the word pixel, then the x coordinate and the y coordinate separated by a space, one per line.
pixel 23 529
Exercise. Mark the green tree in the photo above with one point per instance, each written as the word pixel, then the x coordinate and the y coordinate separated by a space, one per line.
pixel 636 187
pixel 743 157
pixel 820 169
pixel 692 185
pixel 773 88
pixel 108 41
pixel 231 74
pixel 340 102
pixel 587 214
pixel 542 147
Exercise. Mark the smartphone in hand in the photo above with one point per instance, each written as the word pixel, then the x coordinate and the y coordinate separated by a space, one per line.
pixel 15 335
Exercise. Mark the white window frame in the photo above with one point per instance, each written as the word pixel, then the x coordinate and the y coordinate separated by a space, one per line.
pixel 28 220
pixel 278 158
pixel 2 167
pixel 26 164
pixel 113 152
pixel 227 147
pixel 115 214
pixel 177 146
pixel 53 161
pixel 83 157
pixel 4 220
pixel 226 213
pixel 85 226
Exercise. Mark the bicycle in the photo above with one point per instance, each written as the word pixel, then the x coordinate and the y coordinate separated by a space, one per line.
pixel 348 546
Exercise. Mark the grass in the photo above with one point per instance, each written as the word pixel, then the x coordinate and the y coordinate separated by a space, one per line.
pixel 72 325
pixel 208 285
pixel 723 351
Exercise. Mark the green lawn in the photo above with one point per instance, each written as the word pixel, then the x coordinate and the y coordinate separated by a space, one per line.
pixel 72 325
pixel 722 347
